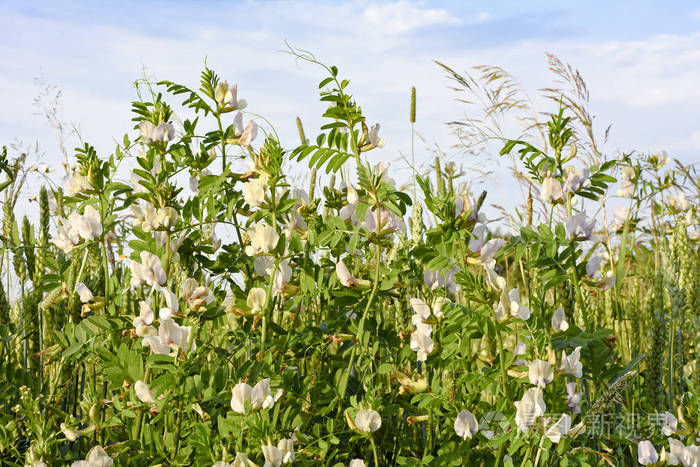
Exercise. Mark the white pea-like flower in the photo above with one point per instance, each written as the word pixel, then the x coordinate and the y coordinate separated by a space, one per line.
pixel 227 97
pixel 96 457
pixel 368 420
pixel 540 373
pixel 357 463
pixel 244 136
pixel 559 429
pixel 151 133
pixel 646 453
pixel 254 191
pixel 143 392
pixel 578 226
pixel 571 365
pixel 83 291
pixel 559 321
pixel 286 447
pixel 273 456
pixel 551 190
pixel 256 299
pixel 149 271
pixel 373 137
pixel 529 408
pixel 466 425
pixel 263 238
pixel 670 425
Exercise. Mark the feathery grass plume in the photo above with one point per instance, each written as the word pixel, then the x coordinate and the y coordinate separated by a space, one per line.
pixel 413 105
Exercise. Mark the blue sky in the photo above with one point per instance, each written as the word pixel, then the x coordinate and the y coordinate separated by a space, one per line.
pixel 641 62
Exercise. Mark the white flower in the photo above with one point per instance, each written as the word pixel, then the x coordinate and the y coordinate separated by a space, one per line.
pixel 670 424
pixel 424 312
pixel 489 250
pixel 479 233
pixel 559 429
pixel 75 183
pixel 374 138
pixel 577 226
pixel 149 271
pixel 626 189
pixel 97 457
pixel 171 305
pixel 254 191
pixel 150 133
pixel 257 397
pixel 67 236
pixel 142 323
pixel 466 425
pixel 84 292
pixel 540 373
pixel 509 305
pixel 493 280
pixel 573 398
pixel 240 394
pixel 167 217
pixel 529 408
pixel 593 267
pixel 227 96
pixel 171 336
pixel 196 295
pixel 436 279
pixel 646 454
pixel 421 342
pixel 551 190
pixel 244 136
pixel 88 225
pixel 263 238
pixel 273 456
pixel 286 447
pixel 559 321
pixel 572 365
pixel 383 220
pixel 576 180
pixel 357 463
pixel 520 348
pixel 368 420
pixel 143 392
pixel 688 456
pixel 256 299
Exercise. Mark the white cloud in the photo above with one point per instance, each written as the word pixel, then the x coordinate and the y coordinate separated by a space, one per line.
pixel 402 17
